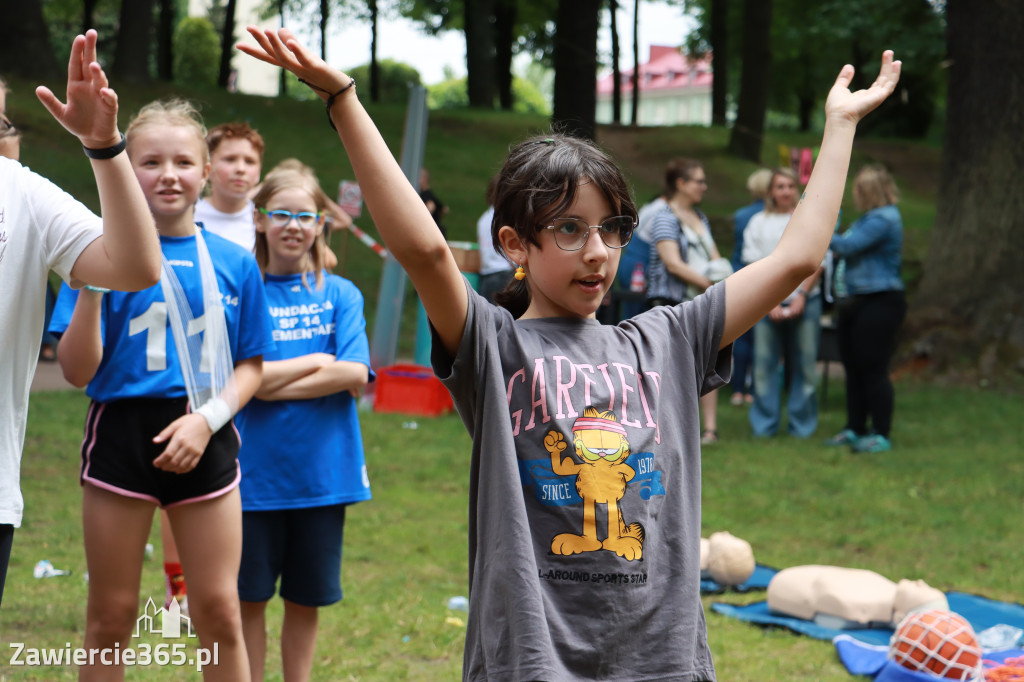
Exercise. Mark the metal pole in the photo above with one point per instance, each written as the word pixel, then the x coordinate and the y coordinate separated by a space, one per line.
pixel 384 343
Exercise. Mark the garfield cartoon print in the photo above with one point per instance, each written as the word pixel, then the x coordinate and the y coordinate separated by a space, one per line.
pixel 601 449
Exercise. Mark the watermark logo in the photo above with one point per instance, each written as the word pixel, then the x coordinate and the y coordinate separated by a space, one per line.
pixel 166 623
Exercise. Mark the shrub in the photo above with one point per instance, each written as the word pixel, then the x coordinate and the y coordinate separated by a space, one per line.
pixel 395 78
pixel 196 52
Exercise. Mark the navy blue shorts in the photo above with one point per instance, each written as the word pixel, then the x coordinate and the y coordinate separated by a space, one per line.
pixel 118 453
pixel 301 546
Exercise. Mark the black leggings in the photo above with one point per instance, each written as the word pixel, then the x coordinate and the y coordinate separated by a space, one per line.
pixel 866 329
pixel 6 539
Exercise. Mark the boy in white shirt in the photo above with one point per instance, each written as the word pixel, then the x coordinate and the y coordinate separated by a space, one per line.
pixel 236 160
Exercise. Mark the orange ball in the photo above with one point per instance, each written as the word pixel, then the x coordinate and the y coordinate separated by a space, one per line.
pixel 938 642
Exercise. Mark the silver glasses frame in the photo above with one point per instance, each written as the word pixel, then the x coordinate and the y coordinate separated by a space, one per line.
pixel 599 228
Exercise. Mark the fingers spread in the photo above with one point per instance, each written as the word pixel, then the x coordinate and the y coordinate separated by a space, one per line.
pixel 89 54
pixel 75 60
pixel 50 101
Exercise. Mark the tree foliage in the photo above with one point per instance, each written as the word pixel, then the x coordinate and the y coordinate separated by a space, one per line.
pixel 811 39
pixel 395 79
pixel 451 93
pixel 196 52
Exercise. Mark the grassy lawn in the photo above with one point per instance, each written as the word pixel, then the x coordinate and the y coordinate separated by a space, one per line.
pixel 944 506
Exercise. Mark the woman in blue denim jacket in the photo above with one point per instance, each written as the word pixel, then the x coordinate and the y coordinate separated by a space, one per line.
pixel 871 307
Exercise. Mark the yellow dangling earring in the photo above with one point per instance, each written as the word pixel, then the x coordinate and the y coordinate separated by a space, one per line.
pixel 520 273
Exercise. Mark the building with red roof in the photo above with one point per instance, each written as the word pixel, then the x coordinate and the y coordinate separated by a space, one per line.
pixel 674 90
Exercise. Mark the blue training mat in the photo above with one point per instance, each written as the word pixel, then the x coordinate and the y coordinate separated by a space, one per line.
pixel 872 660
pixel 758 580
pixel 980 612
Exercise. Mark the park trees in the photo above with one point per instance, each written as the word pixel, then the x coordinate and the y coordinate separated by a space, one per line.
pixel 24 41
pixel 967 316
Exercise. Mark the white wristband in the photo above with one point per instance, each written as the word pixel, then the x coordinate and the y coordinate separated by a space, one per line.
pixel 216 413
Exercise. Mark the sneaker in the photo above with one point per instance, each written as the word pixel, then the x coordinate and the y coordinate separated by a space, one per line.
pixel 708 437
pixel 873 443
pixel 736 400
pixel 844 437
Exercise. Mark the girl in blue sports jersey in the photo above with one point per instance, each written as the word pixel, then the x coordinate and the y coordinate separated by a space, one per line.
pixel 166 368
pixel 302 453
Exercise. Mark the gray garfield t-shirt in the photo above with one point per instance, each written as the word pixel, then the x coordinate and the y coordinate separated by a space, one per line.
pixel 584 528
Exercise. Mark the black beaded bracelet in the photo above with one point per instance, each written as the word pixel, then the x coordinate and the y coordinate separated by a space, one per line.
pixel 106 152
pixel 330 97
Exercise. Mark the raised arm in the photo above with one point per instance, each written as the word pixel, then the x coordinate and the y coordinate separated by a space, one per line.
pixel 127 256
pixel 756 289
pixel 402 219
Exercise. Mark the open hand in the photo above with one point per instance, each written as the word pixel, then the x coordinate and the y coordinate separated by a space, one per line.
pixel 842 104
pixel 282 48
pixel 91 110
pixel 186 438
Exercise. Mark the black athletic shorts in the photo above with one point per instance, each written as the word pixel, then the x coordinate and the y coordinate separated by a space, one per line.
pixel 118 453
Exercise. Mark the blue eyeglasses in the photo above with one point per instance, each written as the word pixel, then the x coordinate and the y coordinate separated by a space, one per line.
pixel 280 217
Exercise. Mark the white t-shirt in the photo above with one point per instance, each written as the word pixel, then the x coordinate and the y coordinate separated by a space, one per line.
pixel 491 260
pixel 42 228
pixel 762 236
pixel 236 227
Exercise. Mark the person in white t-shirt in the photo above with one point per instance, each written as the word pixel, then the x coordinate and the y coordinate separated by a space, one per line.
pixel 495 268
pixel 236 160
pixel 789 334
pixel 43 228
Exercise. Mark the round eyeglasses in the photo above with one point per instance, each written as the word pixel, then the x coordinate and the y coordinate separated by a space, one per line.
pixel 572 233
pixel 280 217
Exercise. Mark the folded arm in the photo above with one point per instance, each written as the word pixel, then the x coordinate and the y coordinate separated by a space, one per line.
pixel 328 379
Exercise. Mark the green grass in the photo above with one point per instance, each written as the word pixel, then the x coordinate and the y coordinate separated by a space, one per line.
pixel 944 506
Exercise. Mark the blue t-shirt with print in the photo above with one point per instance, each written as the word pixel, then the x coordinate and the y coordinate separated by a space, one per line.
pixel 139 356
pixel 307 453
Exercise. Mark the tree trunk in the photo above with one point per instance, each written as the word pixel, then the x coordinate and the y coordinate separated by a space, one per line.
pixel 720 61
pixel 227 44
pixel 748 131
pixel 88 10
pixel 165 41
pixel 634 108
pixel 134 38
pixel 967 315
pixel 325 13
pixel 504 38
pixel 613 10
pixel 480 61
pixel 25 41
pixel 282 78
pixel 575 61
pixel 374 66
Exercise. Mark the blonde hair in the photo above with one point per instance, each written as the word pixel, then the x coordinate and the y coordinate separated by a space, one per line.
pixel 759 182
pixel 276 181
pixel 874 188
pixel 170 112
pixel 769 203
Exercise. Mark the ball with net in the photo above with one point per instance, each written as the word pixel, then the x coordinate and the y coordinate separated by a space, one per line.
pixel 938 642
